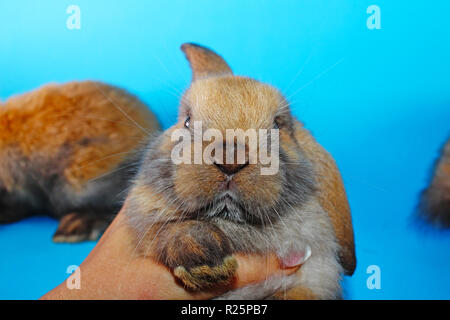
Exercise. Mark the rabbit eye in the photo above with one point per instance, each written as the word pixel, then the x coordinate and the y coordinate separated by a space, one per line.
pixel 275 125
pixel 187 122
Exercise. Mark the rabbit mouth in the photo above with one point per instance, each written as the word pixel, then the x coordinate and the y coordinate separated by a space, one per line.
pixel 226 206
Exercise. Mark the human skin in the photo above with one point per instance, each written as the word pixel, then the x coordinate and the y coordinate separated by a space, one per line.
pixel 113 271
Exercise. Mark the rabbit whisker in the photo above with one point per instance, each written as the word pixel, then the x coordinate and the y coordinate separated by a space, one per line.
pixel 317 77
pixel 121 110
pixel 299 71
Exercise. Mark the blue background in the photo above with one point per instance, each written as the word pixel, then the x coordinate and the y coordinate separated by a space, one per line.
pixel 382 110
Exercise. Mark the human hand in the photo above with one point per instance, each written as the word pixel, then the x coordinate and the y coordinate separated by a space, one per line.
pixel 113 271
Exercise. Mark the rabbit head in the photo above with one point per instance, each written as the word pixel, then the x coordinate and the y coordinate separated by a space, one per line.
pixel 272 173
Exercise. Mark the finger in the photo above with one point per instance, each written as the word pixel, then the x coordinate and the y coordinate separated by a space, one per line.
pixel 257 268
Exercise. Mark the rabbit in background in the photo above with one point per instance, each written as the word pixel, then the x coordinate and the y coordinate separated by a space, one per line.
pixel 435 200
pixel 193 217
pixel 69 151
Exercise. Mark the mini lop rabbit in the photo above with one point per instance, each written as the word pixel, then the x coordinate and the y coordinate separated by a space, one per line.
pixel 435 204
pixel 192 217
pixel 65 151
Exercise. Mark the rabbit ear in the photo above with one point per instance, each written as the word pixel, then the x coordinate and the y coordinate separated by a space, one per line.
pixel 204 62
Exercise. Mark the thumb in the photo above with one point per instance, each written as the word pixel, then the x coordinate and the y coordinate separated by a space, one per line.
pixel 257 268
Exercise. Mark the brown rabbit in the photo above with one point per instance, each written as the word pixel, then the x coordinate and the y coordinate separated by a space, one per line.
pixel 193 217
pixel 62 150
pixel 435 204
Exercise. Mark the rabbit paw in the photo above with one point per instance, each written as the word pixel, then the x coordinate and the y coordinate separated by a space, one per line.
pixel 199 254
pixel 76 227
pixel 205 276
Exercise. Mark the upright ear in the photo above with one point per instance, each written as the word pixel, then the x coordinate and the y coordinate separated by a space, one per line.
pixel 204 62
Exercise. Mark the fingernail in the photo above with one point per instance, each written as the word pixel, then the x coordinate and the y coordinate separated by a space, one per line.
pixel 297 258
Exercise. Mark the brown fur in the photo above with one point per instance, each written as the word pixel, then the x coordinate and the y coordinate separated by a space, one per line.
pixel 58 140
pixel 75 227
pixel 332 196
pixel 221 95
pixel 79 114
pixel 204 62
pixel 435 205
pixel 298 293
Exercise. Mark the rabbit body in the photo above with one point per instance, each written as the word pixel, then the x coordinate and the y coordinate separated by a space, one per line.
pixel 435 202
pixel 62 148
pixel 193 217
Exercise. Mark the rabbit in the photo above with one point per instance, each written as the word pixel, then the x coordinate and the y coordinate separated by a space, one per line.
pixel 435 199
pixel 68 151
pixel 192 218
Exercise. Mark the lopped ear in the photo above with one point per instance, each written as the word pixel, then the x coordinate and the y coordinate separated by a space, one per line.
pixel 204 62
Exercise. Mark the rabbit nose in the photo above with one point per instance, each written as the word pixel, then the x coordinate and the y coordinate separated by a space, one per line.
pixel 230 169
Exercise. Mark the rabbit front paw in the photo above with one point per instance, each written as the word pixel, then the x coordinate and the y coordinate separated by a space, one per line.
pixel 199 254
pixel 206 276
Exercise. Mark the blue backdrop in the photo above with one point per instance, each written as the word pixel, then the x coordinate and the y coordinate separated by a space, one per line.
pixel 378 100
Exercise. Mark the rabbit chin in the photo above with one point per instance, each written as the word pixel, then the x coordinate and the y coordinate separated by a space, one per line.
pixel 232 205
pixel 228 206
pixel 244 197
